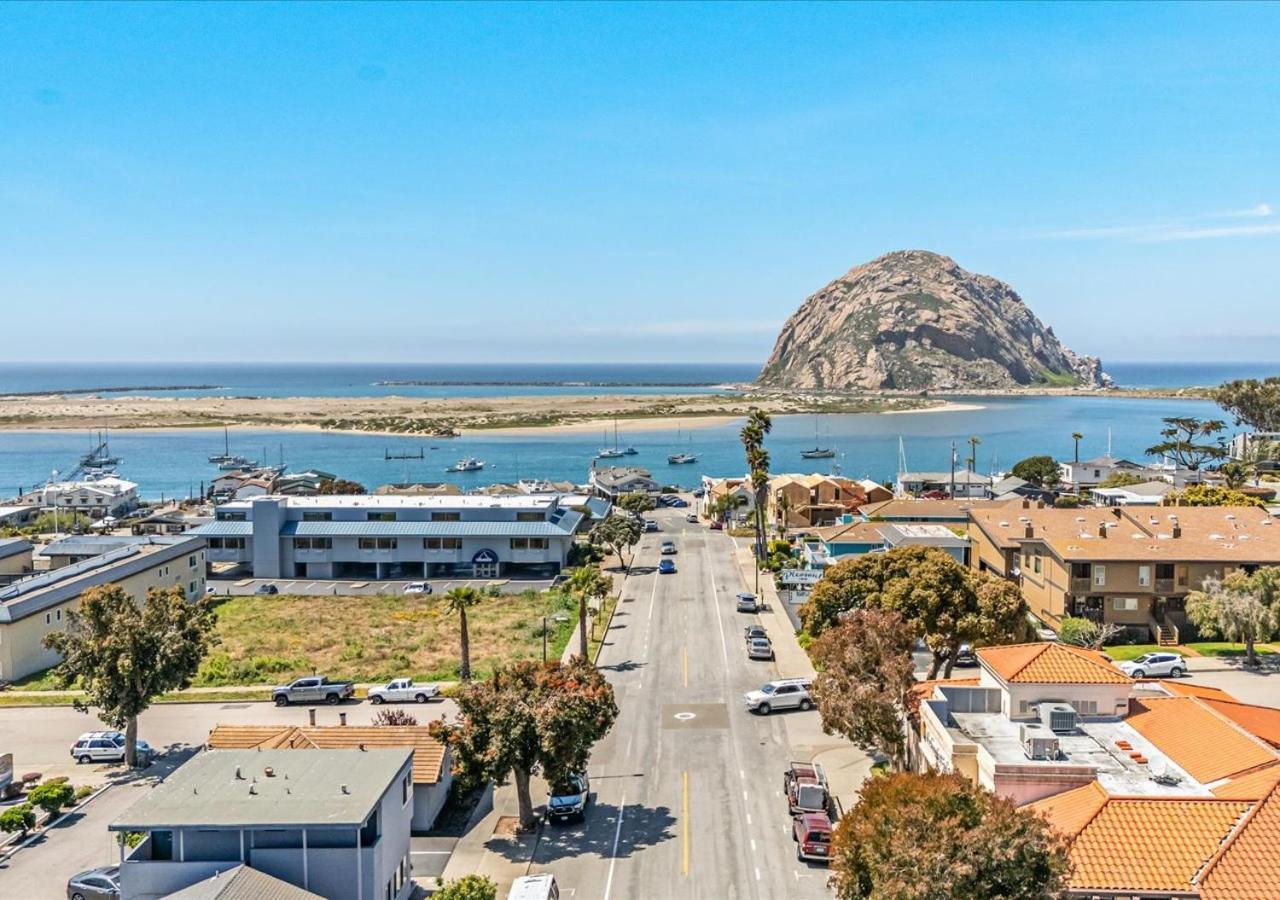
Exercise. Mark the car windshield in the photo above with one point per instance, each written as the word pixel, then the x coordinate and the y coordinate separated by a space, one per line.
pixel 768 689
pixel 1145 658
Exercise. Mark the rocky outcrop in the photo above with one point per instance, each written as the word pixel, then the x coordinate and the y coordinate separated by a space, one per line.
pixel 914 320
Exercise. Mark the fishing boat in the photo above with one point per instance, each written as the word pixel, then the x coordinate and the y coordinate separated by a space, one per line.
pixel 818 453
pixel 467 464
pixel 682 459
pixel 629 451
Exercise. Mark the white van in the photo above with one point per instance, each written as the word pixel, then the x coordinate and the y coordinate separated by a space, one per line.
pixel 535 887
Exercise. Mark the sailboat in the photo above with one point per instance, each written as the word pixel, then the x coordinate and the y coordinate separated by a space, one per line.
pixel 611 452
pixel 681 459
pixel 225 456
pixel 818 452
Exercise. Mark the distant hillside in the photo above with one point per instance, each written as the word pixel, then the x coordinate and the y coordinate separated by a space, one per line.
pixel 914 320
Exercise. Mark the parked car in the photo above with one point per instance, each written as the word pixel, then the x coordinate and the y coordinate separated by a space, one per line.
pixel 417 587
pixel 692 518
pixel 716 525
pixel 755 631
pixel 759 648
pixel 786 693
pixel 678 502
pixel 668 547
pixel 748 603
pixel 403 690
pixel 312 689
pixel 965 657
pixel 102 883
pixel 267 589
pixel 700 493
pixel 569 800
pixel 812 834
pixel 650 525
pixel 1150 665
pixel 805 787
pixel 107 746
pixel 535 887
pixel 666 567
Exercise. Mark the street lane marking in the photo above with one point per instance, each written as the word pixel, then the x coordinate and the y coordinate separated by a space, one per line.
pixel 684 868
pixel 757 873
pixel 613 858
pixel 686 666
pixel 715 598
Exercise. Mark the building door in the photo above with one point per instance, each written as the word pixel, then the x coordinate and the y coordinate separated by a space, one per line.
pixel 484 570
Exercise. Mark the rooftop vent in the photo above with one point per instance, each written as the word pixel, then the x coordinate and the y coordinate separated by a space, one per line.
pixel 269 772
pixel 1058 717
pixel 345 789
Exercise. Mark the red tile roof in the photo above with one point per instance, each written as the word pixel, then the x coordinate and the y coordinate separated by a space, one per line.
pixel 1204 744
pixel 1051 663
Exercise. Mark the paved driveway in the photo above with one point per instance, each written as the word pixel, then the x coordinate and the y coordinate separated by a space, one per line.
pixel 1260 686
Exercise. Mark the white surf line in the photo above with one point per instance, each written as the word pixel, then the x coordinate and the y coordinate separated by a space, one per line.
pixel 613 857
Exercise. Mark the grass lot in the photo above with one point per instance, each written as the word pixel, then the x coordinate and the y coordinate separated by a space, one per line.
pixel 266 639
pixel 1204 648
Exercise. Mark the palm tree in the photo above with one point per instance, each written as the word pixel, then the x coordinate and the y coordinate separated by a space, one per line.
pixel 587 583
pixel 753 434
pixel 1077 437
pixel 459 600
pixel 782 506
pixel 973 453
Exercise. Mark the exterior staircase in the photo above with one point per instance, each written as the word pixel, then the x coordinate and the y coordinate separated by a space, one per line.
pixel 1167 635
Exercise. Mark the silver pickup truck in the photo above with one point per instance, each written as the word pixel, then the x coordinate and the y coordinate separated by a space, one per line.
pixel 313 689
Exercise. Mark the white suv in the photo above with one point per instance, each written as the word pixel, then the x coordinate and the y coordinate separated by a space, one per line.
pixel 105 746
pixel 786 693
pixel 1152 664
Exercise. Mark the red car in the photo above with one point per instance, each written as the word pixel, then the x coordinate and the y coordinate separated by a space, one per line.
pixel 717 525
pixel 812 834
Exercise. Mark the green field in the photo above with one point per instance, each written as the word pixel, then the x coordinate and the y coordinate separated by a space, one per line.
pixel 1204 648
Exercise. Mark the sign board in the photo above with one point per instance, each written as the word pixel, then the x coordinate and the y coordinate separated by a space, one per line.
pixel 485 556
pixel 800 576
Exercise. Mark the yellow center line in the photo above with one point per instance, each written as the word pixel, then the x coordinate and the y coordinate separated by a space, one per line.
pixel 684 869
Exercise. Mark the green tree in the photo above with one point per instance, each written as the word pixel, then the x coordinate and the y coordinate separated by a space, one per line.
pixel 619 534
pixel 1211 495
pixel 459 600
pixel 1042 471
pixel 1121 478
pixel 1252 402
pixel 1190 441
pixel 529 718
pixel 637 502
pixel 122 654
pixel 468 887
pixel 392 717
pixel 18 818
pixel 725 504
pixel 864 681
pixel 52 796
pixel 752 435
pixel 1081 632
pixel 928 837
pixel 1235 474
pixel 1240 607
pixel 587 583
pixel 944 602
pixel 341 486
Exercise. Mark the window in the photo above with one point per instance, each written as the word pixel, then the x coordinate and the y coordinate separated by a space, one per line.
pixel 1144 576
pixel 48 618
pixel 442 543
pixel 446 517
pixel 1124 604
pixel 191 588
pixel 1183 576
pixel 191 561
pixel 315 543
pixel 530 517
pixel 1036 567
pixel 317 517
pixel 1086 707
pixel 377 543
pixel 231 517
pixel 406 788
pixel 380 516
pixel 1099 576
pixel 528 543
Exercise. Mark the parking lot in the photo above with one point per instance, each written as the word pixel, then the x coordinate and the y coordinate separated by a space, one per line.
pixel 322 587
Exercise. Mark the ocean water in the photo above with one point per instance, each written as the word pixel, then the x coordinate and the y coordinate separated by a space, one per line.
pixel 174 463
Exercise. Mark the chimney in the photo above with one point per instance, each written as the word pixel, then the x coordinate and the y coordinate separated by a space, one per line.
pixel 1102 529
pixel 311 716
pixel 1117 512
pixel 239 777
pixel 1030 530
pixel 342 718
pixel 1026 503
pixel 361 746
pixel 1039 504
pixel 1177 531
pixel 345 790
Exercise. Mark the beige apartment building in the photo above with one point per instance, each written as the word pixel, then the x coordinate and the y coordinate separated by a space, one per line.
pixel 34 606
pixel 810 501
pixel 1127 567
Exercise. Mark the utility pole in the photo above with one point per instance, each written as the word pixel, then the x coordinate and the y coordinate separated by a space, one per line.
pixel 952 491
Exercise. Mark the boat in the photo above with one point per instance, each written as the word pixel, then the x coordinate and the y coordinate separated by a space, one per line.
pixel 629 451
pixel 818 453
pixel 237 462
pixel 682 459
pixel 467 464
pixel 614 452
pixel 225 456
pixel 100 456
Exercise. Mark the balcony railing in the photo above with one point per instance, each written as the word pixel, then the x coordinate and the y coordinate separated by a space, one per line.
pixel 1081 585
pixel 1165 586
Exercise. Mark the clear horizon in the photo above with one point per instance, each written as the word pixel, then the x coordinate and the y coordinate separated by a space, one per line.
pixel 440 183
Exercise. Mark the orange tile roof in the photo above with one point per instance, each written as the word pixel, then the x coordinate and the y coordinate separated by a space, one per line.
pixel 1187 689
pixel 1070 811
pixel 1253 786
pixel 1260 721
pixel 1204 744
pixel 1248 868
pixel 428 753
pixel 1050 663
pixel 924 689
pixel 1158 844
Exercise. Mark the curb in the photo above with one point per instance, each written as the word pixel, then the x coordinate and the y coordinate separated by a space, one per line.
pixel 6 854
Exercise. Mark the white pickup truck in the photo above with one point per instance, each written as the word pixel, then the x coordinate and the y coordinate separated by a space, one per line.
pixel 403 690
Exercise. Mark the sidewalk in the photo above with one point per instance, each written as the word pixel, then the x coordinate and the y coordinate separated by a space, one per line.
pixel 502 858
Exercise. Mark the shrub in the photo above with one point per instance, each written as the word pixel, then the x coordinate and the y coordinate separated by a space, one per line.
pixel 1066 501
pixel 83 791
pixel 1078 631
pixel 393 717
pixel 468 887
pixel 52 796
pixel 18 818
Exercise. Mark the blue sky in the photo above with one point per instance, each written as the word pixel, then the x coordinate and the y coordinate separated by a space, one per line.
pixel 624 182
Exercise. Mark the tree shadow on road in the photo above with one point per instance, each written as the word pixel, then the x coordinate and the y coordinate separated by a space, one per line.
pixel 627 665
pixel 642 827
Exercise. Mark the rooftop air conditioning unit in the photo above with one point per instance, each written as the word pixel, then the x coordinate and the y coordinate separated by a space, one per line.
pixel 1059 718
pixel 1038 742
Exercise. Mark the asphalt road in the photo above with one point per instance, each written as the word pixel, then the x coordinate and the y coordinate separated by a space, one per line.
pixel 687 786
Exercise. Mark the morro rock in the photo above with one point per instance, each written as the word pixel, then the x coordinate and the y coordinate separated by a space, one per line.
pixel 914 320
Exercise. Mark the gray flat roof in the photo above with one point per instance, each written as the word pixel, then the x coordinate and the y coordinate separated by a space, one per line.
pixel 400 529
pixel 304 789
pixel 90 544
pixel 13 546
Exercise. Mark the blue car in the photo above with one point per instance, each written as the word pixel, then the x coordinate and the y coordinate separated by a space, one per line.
pixel 666 567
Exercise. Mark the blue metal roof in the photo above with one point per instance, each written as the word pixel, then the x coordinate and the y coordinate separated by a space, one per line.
pixel 13 546
pixel 223 529
pixel 425 529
